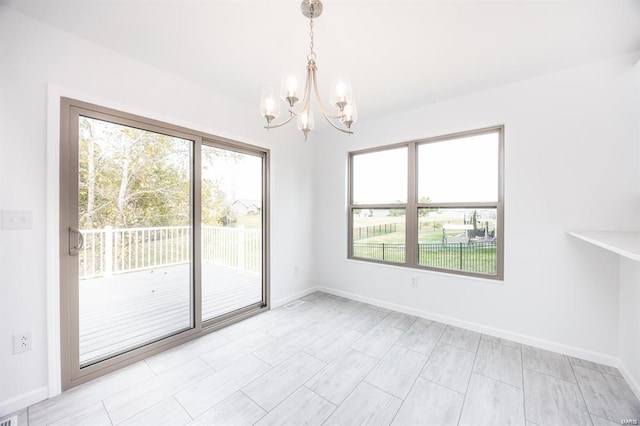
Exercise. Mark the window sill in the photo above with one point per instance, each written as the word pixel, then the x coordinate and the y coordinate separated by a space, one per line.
pixel 427 271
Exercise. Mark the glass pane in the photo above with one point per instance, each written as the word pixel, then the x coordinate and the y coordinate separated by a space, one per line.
pixel 380 177
pixel 379 234
pixel 459 170
pixel 458 239
pixel 135 281
pixel 231 231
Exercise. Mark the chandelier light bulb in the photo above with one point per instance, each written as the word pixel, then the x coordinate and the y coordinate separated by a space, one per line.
pixel 290 86
pixel 341 93
pixel 350 114
pixel 269 105
pixel 305 121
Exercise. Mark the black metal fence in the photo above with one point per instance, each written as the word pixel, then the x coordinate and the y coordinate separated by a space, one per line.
pixel 392 252
pixel 472 257
pixel 374 230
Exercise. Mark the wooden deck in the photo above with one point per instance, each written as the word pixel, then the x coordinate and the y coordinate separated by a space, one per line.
pixel 128 310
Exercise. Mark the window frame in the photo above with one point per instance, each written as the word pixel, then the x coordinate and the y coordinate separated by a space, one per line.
pixel 412 205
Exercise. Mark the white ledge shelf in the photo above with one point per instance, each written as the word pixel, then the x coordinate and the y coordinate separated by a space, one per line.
pixel 624 243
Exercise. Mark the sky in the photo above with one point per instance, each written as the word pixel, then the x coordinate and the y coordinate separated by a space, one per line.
pixel 459 170
pixel 239 176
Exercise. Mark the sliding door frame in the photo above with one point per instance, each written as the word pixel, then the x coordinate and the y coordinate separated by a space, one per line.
pixel 70 111
pixel 264 155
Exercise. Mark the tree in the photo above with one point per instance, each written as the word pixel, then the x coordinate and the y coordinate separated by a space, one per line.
pixel 397 212
pixel 131 177
pixel 216 209
pixel 216 203
pixel 424 211
pixel 421 212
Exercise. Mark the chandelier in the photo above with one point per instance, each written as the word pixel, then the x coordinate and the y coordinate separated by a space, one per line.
pixel 298 97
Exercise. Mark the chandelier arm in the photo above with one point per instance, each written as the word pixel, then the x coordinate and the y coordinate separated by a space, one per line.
pixel 275 126
pixel 349 132
pixel 319 102
pixel 305 98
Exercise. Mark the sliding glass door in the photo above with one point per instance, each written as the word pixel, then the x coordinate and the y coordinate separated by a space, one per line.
pixel 162 236
pixel 232 228
pixel 135 218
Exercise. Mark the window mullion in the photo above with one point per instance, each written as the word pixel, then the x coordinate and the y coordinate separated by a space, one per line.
pixel 196 205
pixel 412 210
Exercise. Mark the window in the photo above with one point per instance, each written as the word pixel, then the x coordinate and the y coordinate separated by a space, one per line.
pixel 431 204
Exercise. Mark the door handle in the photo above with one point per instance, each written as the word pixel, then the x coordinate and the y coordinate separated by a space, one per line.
pixel 74 248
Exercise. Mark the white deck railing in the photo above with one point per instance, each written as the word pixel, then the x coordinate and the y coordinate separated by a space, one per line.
pixel 111 251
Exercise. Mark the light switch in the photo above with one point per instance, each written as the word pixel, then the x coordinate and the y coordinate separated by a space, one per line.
pixel 17 219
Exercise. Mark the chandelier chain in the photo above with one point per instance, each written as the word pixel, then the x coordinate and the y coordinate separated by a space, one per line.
pixel 312 54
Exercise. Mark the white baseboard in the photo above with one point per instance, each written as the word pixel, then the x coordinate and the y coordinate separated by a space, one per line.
pixel 294 296
pixel 22 401
pixel 516 337
pixel 633 382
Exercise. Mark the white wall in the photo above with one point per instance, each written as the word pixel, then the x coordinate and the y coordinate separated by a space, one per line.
pixel 629 318
pixel 34 56
pixel 630 321
pixel 571 149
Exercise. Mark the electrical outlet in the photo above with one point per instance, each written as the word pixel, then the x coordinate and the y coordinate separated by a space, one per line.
pixel 414 282
pixel 22 342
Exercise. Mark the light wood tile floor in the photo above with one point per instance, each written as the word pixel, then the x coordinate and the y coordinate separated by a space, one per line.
pixel 336 361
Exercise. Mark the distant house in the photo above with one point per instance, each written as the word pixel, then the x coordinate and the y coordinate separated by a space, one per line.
pixel 246 207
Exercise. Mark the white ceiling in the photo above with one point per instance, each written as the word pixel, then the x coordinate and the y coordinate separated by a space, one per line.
pixel 399 54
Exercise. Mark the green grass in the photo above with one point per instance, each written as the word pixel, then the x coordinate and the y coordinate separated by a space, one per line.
pixel 424 235
pixel 430 230
pixel 462 257
pixel 390 253
pixel 391 238
pixel 466 257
